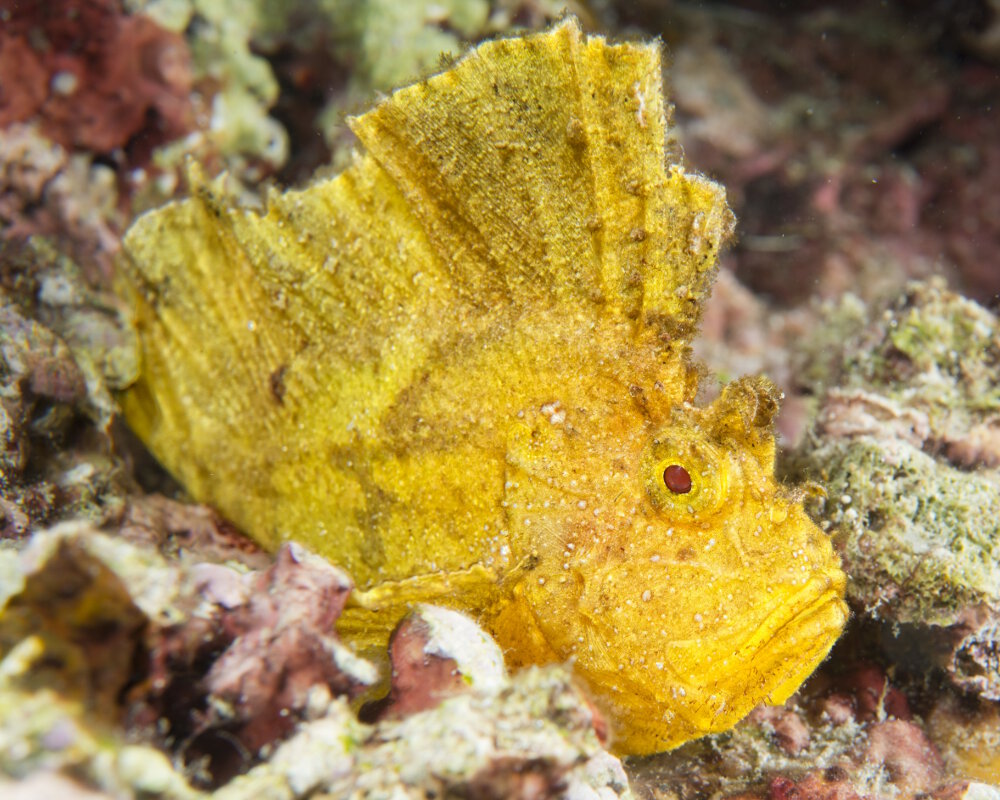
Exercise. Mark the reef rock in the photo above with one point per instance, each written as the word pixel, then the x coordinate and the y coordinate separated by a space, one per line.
pixel 907 444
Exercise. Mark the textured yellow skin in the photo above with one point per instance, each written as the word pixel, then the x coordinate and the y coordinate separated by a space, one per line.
pixel 460 368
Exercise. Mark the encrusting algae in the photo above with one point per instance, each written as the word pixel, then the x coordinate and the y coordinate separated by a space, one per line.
pixel 461 370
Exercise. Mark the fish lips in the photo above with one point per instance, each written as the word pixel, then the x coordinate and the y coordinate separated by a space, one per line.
pixel 733 677
pixel 770 664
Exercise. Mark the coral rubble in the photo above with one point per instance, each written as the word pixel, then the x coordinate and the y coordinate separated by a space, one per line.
pixel 54 464
pixel 222 666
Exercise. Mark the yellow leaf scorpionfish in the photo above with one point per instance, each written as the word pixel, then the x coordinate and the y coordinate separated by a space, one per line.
pixel 461 369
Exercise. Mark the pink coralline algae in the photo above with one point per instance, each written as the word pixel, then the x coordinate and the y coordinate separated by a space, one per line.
pixel 96 78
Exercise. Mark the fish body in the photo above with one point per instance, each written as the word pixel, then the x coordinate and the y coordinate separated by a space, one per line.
pixel 461 369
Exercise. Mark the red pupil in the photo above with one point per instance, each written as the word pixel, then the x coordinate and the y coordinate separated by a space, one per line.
pixel 677 479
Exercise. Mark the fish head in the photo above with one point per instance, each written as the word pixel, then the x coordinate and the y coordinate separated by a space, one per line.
pixel 667 564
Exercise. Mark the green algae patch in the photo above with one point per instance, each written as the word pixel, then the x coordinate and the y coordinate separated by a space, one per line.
pixel 920 537
pixel 907 444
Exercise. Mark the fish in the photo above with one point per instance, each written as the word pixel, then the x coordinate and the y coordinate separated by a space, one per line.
pixel 461 369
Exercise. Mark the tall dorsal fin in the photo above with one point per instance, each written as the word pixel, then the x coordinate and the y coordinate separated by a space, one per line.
pixel 537 167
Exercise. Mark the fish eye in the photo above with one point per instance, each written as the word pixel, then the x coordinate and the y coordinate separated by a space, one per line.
pixel 686 474
pixel 677 479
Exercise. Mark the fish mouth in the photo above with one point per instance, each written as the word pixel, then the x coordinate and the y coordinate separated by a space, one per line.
pixel 767 666
pixel 771 663
pixel 734 675
pixel 796 636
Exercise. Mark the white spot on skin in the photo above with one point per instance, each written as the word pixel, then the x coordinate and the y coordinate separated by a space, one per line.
pixel 647 596
pixel 640 112
pixel 555 412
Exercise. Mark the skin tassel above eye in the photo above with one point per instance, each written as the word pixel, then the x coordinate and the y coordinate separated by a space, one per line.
pixel 461 369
